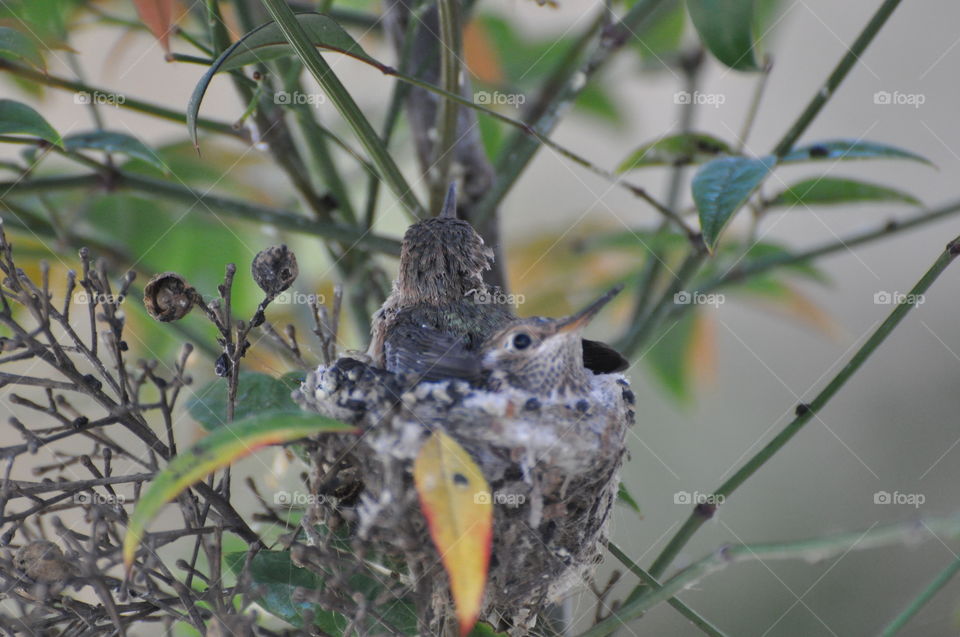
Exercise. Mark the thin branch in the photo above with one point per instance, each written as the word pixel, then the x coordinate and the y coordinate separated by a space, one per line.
pixel 805 412
pixel 847 62
pixel 820 548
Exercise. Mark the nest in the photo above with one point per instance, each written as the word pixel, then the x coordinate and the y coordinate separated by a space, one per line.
pixel 552 465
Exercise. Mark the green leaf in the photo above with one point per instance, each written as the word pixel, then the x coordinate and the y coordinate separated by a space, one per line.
pixel 19 119
pixel 849 149
pixel 16 44
pixel 111 142
pixel 726 28
pixel 596 100
pixel 624 497
pixel 268 42
pixel 762 250
pixel 663 31
pixel 640 241
pixel 483 629
pixel 676 150
pixel 721 187
pixel 278 577
pixel 256 394
pixel 669 357
pixel 220 449
pixel 821 191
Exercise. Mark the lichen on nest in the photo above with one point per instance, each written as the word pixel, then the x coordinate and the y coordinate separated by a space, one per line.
pixel 552 464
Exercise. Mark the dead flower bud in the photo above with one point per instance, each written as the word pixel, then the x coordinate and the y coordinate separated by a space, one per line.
pixel 43 561
pixel 275 269
pixel 168 297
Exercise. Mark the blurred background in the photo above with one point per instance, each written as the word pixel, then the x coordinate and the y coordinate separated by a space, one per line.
pixel 711 394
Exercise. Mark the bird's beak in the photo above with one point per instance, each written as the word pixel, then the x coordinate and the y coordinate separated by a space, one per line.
pixel 583 317
pixel 450 202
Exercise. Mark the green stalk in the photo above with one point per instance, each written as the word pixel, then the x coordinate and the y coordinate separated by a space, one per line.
pixel 905 533
pixel 282 219
pixel 846 63
pixel 638 333
pixel 400 91
pixel 921 600
pixel 345 104
pixel 805 412
pixel 128 102
pixel 759 266
pixel 705 626
pixel 520 149
pixel 447 110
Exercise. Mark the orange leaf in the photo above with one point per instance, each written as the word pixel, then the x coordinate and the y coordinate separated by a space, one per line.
pixel 158 16
pixel 702 352
pixel 480 55
pixel 456 501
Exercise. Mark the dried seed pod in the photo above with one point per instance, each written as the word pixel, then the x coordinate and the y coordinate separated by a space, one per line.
pixel 168 297
pixel 43 561
pixel 275 269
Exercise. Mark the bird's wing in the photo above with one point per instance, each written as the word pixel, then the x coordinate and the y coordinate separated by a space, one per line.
pixel 429 353
pixel 600 358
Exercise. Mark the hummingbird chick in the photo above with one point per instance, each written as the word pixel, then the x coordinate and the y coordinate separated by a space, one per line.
pixel 440 310
pixel 545 356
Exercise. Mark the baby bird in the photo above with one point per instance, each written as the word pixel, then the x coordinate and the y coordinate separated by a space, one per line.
pixel 545 356
pixel 440 310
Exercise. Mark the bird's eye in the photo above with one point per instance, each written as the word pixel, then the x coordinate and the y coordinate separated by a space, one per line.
pixel 522 341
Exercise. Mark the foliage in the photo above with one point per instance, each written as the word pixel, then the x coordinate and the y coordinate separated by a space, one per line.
pixel 332 181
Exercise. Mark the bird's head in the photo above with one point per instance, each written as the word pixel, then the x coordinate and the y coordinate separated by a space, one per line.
pixel 544 355
pixel 442 258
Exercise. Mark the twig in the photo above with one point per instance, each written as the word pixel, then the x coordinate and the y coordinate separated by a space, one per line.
pixel 820 548
pixel 805 411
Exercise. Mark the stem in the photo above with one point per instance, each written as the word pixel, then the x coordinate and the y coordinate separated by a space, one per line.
pixel 128 102
pixel 638 333
pixel 520 149
pixel 649 580
pixel 906 533
pixel 836 77
pixel 345 104
pixel 921 600
pixel 448 110
pixel 282 219
pixel 400 91
pixel 691 63
pixel 754 108
pixel 739 273
pixel 805 412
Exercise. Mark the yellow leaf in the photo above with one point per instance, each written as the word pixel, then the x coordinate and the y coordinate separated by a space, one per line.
pixel 456 501
pixel 799 308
